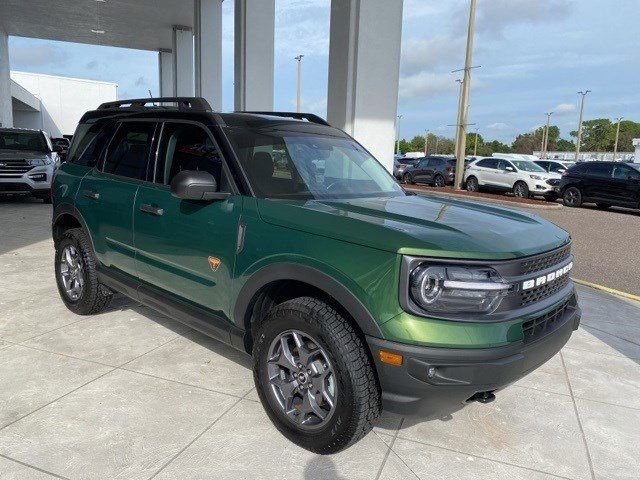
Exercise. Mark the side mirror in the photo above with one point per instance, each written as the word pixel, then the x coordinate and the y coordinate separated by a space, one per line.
pixel 195 185
pixel 509 169
pixel 562 170
pixel 58 148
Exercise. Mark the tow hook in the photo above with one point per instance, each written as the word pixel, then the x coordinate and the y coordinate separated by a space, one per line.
pixel 482 397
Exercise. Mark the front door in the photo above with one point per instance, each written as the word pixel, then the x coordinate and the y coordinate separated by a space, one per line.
pixel 625 185
pixel 107 193
pixel 504 177
pixel 187 247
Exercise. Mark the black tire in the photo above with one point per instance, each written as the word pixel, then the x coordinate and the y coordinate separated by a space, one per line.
pixel 439 181
pixel 407 178
pixel 572 197
pixel 603 206
pixel 94 296
pixel 472 184
pixel 357 402
pixel 521 190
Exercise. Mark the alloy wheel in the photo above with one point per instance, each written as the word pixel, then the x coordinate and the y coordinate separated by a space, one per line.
pixel 72 272
pixel 302 379
pixel 439 181
pixel 520 190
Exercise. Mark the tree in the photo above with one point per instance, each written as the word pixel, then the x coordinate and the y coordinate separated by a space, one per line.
pixel 496 146
pixel 532 141
pixel 417 143
pixel 563 145
pixel 598 135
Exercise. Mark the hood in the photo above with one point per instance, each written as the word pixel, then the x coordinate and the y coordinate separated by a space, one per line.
pixel 420 225
pixel 550 175
pixel 21 154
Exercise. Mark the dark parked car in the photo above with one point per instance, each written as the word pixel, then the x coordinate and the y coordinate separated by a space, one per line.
pixel 436 171
pixel 602 183
pixel 61 145
pixel 399 164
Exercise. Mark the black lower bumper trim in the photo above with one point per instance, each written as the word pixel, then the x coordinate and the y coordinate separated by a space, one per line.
pixel 434 382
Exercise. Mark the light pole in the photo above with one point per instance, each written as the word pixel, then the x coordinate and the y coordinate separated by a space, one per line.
pixel 299 87
pixel 615 146
pixel 459 119
pixel 546 136
pixel 584 94
pixel 398 134
pixel 475 145
pixel 426 143
pixel 437 140
pixel 465 97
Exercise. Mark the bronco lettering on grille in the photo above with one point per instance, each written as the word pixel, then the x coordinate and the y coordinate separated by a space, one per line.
pixel 550 277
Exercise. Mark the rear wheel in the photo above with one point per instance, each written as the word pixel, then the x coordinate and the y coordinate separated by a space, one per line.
pixel 472 184
pixel 521 189
pixel 314 376
pixel 438 181
pixel 407 178
pixel 76 274
pixel 572 197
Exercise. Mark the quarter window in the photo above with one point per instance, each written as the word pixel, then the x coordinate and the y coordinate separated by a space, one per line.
pixel 129 150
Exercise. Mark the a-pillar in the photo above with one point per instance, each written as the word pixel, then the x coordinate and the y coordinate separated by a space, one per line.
pixel 6 109
pixel 183 61
pixel 254 52
pixel 208 51
pixel 364 69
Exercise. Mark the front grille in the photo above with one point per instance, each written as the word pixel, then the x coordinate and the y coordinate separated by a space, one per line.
pixel 14 188
pixel 536 328
pixel 14 168
pixel 542 262
pixel 543 291
pixel 553 182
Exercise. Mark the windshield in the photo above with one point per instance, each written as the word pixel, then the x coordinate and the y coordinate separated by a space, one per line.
pixel 25 141
pixel 527 166
pixel 285 164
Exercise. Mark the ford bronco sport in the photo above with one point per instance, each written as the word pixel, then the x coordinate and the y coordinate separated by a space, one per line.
pixel 283 237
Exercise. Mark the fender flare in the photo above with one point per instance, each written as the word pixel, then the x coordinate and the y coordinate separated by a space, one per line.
pixel 310 276
pixel 68 209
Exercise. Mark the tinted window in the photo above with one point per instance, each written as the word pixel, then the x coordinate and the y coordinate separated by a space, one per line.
pixel 624 172
pixel 544 165
pixel 488 163
pixel 578 168
pixel 599 169
pixel 424 163
pixel 129 150
pixel 556 167
pixel 188 147
pixel 503 164
pixel 89 142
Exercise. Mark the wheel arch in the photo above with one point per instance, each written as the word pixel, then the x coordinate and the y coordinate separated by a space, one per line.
pixel 279 282
pixel 66 216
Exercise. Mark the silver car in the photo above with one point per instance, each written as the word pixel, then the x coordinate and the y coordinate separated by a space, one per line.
pixel 27 162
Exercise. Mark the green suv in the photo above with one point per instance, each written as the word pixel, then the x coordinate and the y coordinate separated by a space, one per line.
pixel 283 237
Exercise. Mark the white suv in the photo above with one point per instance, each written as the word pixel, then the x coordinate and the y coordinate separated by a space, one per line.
pixel 523 177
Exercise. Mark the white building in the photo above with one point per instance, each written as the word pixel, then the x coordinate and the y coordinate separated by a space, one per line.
pixel 55 104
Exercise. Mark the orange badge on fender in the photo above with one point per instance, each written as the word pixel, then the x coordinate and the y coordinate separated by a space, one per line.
pixel 214 263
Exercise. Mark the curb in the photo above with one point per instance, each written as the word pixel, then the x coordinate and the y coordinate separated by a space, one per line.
pixel 612 291
pixel 509 203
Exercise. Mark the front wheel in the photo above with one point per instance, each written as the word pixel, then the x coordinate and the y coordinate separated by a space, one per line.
pixel 407 178
pixel 314 376
pixel 521 190
pixel 572 197
pixel 472 184
pixel 439 181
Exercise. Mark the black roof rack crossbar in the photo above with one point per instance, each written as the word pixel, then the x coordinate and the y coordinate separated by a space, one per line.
pixel 183 103
pixel 309 117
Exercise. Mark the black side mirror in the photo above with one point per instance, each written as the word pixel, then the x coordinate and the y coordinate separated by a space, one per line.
pixel 195 185
pixel 58 148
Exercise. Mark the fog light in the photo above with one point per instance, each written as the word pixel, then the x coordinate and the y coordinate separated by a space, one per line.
pixel 391 358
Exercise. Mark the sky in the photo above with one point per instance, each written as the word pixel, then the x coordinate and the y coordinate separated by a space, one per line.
pixel 534 57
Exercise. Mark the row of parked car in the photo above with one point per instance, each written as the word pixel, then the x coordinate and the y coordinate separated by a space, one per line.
pixel 604 183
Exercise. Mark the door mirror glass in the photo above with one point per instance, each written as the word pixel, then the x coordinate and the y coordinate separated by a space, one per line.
pixel 196 185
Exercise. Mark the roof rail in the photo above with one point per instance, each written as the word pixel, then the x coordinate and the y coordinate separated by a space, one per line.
pixel 309 117
pixel 183 103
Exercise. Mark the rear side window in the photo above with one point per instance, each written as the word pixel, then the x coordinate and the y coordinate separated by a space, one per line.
pixel 578 168
pixel 599 169
pixel 129 150
pixel 487 163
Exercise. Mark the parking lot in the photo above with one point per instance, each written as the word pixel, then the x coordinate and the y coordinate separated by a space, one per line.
pixel 131 394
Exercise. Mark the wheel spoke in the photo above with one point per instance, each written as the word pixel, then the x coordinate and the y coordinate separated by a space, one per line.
pixel 310 405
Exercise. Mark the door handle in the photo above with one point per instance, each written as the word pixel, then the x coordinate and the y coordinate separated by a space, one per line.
pixel 91 194
pixel 151 210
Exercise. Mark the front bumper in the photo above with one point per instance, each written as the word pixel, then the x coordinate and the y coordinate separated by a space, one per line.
pixel 36 181
pixel 434 382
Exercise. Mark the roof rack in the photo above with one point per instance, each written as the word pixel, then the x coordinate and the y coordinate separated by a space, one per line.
pixel 309 117
pixel 183 103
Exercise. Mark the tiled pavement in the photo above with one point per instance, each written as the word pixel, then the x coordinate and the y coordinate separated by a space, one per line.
pixel 130 394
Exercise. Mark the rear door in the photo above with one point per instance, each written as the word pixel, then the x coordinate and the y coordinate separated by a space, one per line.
pixel 187 247
pixel 597 182
pixel 107 194
pixel 486 171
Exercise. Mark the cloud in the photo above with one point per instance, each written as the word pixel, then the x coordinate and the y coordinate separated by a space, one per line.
pixel 564 109
pixel 494 16
pixel 302 26
pixel 140 81
pixel 45 54
pixel 425 84
pixel 499 126
pixel 419 54
pixel 414 9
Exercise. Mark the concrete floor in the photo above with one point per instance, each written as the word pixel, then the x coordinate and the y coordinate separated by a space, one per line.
pixel 130 394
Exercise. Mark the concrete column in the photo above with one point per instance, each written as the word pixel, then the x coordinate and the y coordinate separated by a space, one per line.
pixel 208 51
pixel 183 61
pixel 6 108
pixel 254 51
pixel 165 72
pixel 364 69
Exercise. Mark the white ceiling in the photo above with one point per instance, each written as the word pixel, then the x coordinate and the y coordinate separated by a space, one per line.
pixel 140 24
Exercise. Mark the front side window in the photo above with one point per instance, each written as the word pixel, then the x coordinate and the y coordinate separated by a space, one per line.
pixel 129 150
pixel 503 164
pixel 23 141
pixel 288 164
pixel 623 172
pixel 185 146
